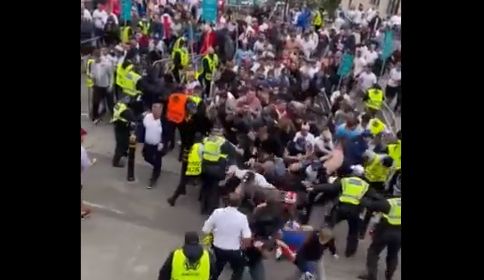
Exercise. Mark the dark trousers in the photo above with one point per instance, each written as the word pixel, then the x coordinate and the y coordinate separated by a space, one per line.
pixel 385 237
pixel 341 213
pixel 121 135
pixel 209 195
pixel 100 94
pixel 206 84
pixel 233 257
pixel 181 188
pixel 176 73
pixel 380 188
pixel 153 157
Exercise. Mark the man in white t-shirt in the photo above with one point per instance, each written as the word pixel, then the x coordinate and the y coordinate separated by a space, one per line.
pixel 153 146
pixel 371 55
pixel 393 86
pixel 396 20
pixel 366 79
pixel 359 63
pixel 100 16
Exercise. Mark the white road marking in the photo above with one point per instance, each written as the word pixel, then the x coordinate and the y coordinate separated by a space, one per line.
pixel 84 115
pixel 99 206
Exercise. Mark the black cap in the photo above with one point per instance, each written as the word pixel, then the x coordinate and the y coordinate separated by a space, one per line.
pixel 191 238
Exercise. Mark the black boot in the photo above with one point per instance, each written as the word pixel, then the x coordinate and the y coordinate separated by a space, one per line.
pixel 117 162
pixel 172 201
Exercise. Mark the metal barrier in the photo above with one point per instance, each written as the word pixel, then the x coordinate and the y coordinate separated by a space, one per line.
pixel 91 40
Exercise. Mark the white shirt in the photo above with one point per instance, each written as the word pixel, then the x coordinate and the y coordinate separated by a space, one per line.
pixel 153 130
pixel 367 80
pixel 338 23
pixel 395 77
pixel 371 57
pixel 396 20
pixel 100 18
pixel 337 94
pixel 259 180
pixel 86 14
pixel 360 63
pixel 263 27
pixel 358 18
pixel 228 226
pixel 309 137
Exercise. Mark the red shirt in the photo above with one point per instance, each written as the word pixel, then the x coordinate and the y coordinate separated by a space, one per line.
pixel 144 41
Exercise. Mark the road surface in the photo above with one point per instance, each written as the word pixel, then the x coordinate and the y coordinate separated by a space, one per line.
pixel 132 229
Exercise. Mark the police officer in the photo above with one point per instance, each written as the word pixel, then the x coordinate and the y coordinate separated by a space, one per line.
pixel 126 32
pixel 191 167
pixel 394 150
pixel 180 58
pixel 214 162
pixel 124 124
pixel 209 65
pixel 189 262
pixel 387 234
pixel 126 78
pixel 350 191
pixel 374 98
pixel 145 26
pixel 318 20
pixel 89 81
pixel 377 169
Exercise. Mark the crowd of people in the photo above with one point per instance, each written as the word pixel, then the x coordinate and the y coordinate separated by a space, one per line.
pixel 267 122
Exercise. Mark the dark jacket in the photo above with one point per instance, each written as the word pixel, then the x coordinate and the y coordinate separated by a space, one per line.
pixel 193 254
pixel 152 88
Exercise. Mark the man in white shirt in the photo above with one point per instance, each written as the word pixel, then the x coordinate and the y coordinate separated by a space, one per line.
pixel 102 76
pixel 359 63
pixel 304 133
pixel 393 86
pixel 366 79
pixel 396 20
pixel 153 147
pixel 100 17
pixel 230 228
pixel 371 55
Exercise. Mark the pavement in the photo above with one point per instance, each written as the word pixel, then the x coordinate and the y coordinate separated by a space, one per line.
pixel 132 229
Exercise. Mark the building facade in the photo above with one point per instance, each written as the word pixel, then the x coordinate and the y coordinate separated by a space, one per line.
pixel 385 7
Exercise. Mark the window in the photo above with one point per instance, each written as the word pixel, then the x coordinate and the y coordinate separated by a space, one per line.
pixel 375 2
pixel 393 7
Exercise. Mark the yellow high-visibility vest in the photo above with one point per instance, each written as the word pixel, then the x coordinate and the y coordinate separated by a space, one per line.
pixel 375 171
pixel 181 269
pixel 124 34
pixel 126 78
pixel 89 81
pixel 353 189
pixel 376 126
pixel 194 162
pixel 394 216
pixel 212 149
pixel 212 65
pixel 145 27
pixel 118 109
pixel 395 152
pixel 317 19
pixel 375 99
pixel 184 56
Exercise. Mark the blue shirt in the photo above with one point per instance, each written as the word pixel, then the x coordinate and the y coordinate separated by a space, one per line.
pixel 343 132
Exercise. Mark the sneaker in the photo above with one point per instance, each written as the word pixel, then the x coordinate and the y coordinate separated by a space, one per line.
pixel 96 121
